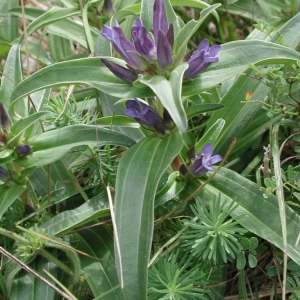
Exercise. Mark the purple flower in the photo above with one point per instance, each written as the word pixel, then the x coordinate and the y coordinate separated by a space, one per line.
pixel 144 54
pixel 201 58
pixel 152 54
pixel 163 34
pixel 123 45
pixel 145 115
pixel 121 72
pixel 202 163
pixel 143 42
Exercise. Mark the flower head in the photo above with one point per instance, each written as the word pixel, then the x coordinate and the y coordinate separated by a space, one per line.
pixel 152 53
pixel 202 163
pixel 203 57
pixel 145 115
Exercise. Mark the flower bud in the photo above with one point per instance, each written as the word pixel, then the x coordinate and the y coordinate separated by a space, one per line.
pixel 23 149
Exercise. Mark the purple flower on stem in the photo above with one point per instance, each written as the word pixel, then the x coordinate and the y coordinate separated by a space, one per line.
pixel 202 163
pixel 145 115
pixel 144 50
pixel 123 45
pixel 121 72
pixel 143 42
pixel 153 54
pixel 203 57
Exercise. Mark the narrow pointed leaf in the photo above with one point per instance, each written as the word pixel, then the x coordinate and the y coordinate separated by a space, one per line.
pixel 134 205
pixel 54 144
pixel 169 93
pixel 8 196
pixel 70 219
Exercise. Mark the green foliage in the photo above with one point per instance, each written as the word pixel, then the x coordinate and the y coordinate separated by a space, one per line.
pixel 211 236
pixel 97 195
pixel 172 277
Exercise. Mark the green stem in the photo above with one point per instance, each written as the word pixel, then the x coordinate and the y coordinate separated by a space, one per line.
pixel 281 203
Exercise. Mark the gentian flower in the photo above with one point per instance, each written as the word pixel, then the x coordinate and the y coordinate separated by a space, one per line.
pixel 145 115
pixel 203 57
pixel 202 163
pixel 152 54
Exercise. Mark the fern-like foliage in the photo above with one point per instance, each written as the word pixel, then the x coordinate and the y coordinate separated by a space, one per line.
pixel 213 237
pixel 171 278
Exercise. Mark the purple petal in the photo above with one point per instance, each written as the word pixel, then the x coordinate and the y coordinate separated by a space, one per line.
pixel 203 45
pixel 207 149
pixel 145 115
pixel 120 71
pixel 213 50
pixel 164 51
pixel 215 159
pixel 160 21
pixel 142 40
pixel 203 57
pixel 122 45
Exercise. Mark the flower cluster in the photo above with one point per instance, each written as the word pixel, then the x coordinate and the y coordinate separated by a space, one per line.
pixel 148 117
pixel 153 54
pixel 199 165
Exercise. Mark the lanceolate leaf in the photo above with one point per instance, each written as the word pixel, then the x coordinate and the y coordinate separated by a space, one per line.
pixel 261 215
pixel 54 144
pixel 138 174
pixel 70 219
pixel 8 196
pixel 169 93
pixel 99 268
pixel 234 60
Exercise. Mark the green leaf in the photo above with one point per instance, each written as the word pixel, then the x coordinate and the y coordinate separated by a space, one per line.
pixel 90 71
pixel 48 17
pixel 99 268
pixel 8 196
pixel 198 109
pixel 54 144
pixel 241 261
pixel 138 175
pixel 252 260
pixel 13 75
pixel 10 24
pixel 20 126
pixel 66 28
pixel 122 121
pixel 211 135
pixel 261 215
pixel 169 93
pixel 170 190
pixel 29 285
pixel 70 219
